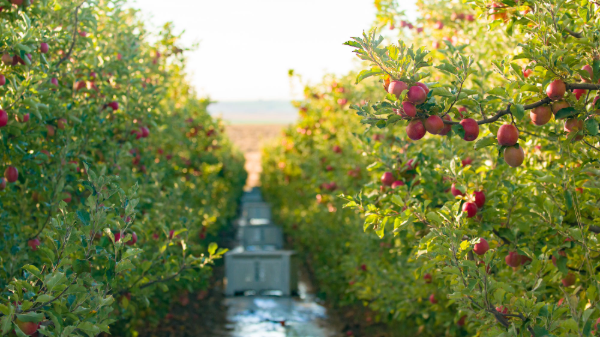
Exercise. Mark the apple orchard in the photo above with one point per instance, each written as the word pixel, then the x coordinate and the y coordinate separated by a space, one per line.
pixel 463 200
pixel 115 178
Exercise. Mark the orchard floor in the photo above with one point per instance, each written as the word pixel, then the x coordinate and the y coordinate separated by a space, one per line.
pixel 212 314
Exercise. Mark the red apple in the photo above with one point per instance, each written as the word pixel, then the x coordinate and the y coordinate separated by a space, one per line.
pixel 432 299
pixel 171 232
pixel 455 191
pixel 415 129
pixel 590 71
pixel 508 135
pixel 540 115
pixel 427 278
pixel 502 310
pixel 556 90
pixel 387 179
pixel 527 72
pixel 22 119
pixel 408 109
pixel 438 25
pixel 434 124
pixel 416 94
pixel 11 174
pixel 3 118
pixel 145 132
pixel 482 247
pixel 2 184
pixel 2 80
pixel 579 92
pixel 569 280
pixel 44 47
pixel 337 149
pixel 397 183
pixel 466 161
pixel 479 198
pixel 33 244
pixel 61 123
pixel 28 328
pixel 397 87
pixel 329 168
pixel 513 156
pixel 82 33
pixel 114 105
pixel 423 86
pixel 50 130
pixel 513 259
pixel 470 208
pixel 574 125
pixel 7 59
pixel 461 321
pixel 561 253
pixel 471 129
pixel 557 106
pixel 411 164
pixel 67 197
pixel 447 127
pixel 342 101
pixel 54 81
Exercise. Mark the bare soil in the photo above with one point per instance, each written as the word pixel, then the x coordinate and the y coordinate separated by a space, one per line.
pixel 249 138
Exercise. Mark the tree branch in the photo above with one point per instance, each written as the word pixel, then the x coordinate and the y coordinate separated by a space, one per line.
pixel 68 54
pixel 572 33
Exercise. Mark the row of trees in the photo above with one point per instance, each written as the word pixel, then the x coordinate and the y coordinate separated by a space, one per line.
pixel 115 177
pixel 474 173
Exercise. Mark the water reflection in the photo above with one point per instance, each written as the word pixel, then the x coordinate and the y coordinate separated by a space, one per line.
pixel 269 316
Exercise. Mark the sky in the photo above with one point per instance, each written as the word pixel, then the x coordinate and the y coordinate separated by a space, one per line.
pixel 247 46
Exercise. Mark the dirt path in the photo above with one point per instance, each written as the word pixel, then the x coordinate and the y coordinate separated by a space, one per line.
pixel 249 138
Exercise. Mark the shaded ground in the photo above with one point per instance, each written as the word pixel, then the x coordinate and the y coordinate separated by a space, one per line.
pixel 249 138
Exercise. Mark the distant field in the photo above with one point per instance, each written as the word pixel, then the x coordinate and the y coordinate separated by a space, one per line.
pixel 255 112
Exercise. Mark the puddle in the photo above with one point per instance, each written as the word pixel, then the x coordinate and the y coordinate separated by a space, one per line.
pixel 266 316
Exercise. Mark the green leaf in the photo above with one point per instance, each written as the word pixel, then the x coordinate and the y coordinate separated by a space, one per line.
pixel 565 112
pixel 529 87
pixel 592 126
pixel 34 317
pixel 518 110
pixel 368 73
pixel 6 324
pixel 212 248
pixel 54 279
pixel 498 91
pixel 396 199
pixel 43 298
pixel 485 142
pixel 32 269
pixel 432 216
pixel 81 266
pixel 441 92
pixel 84 217
pixel 131 252
pixel 124 265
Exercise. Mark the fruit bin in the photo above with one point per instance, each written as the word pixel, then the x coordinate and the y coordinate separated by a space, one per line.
pixel 261 236
pixel 260 271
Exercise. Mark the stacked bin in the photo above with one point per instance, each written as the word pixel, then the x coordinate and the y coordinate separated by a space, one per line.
pixel 259 264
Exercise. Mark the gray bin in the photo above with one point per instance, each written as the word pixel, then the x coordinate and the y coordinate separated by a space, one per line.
pixel 256 210
pixel 253 195
pixel 260 271
pixel 261 236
